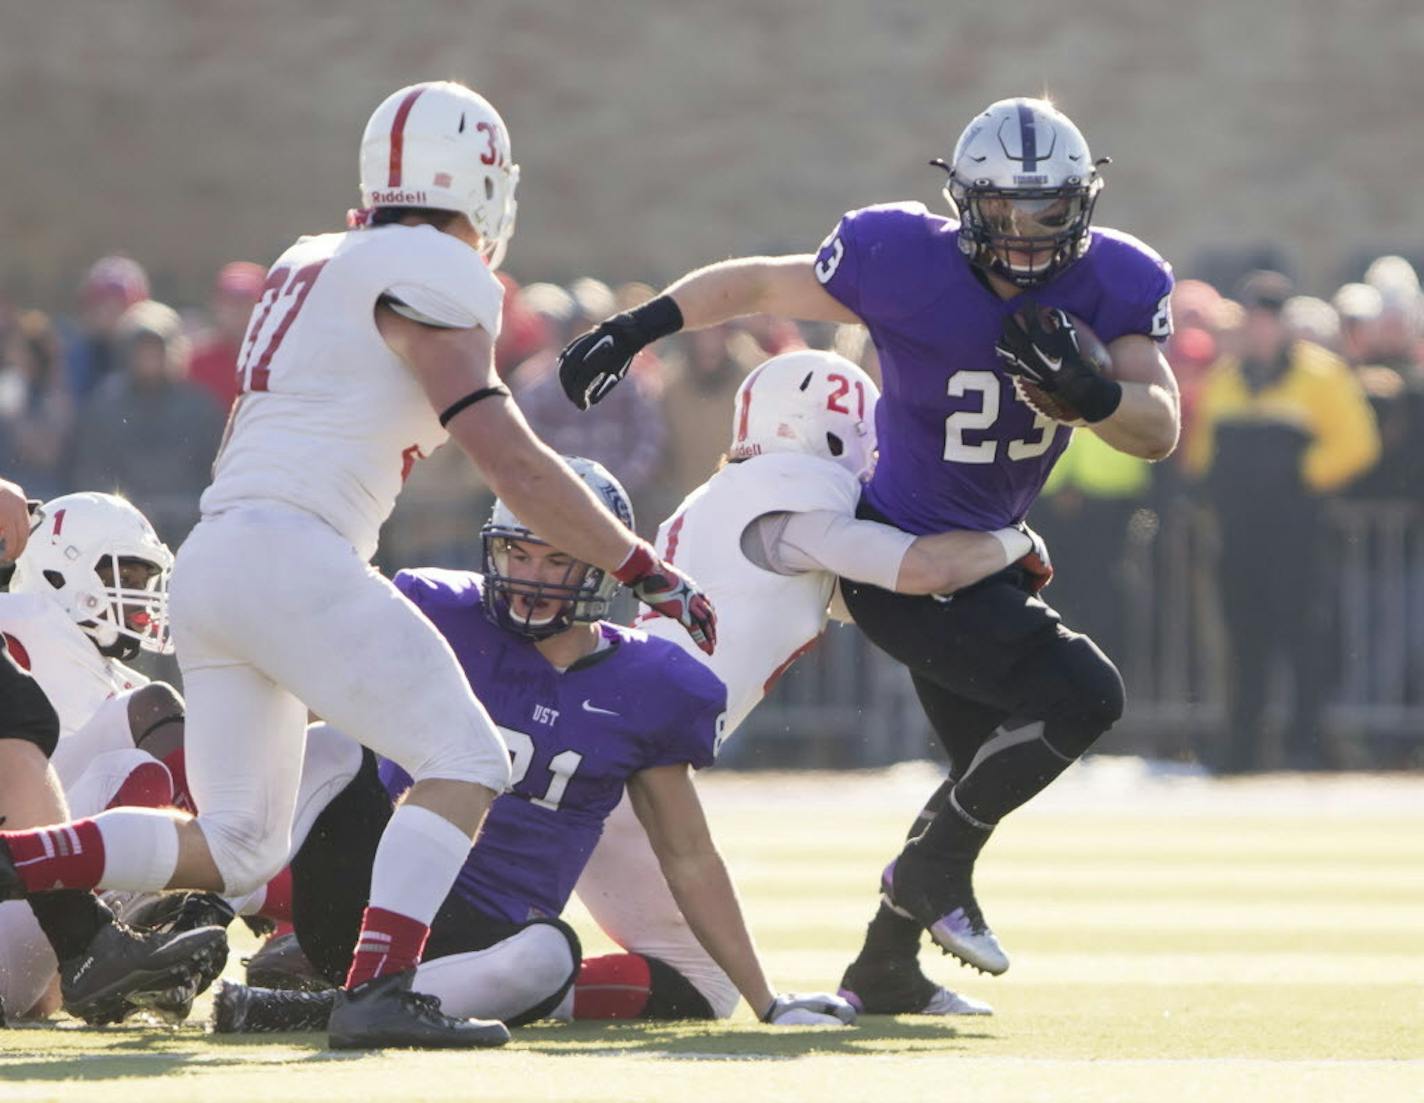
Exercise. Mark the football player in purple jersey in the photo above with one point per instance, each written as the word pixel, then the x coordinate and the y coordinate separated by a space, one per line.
pixel 586 708
pixel 973 321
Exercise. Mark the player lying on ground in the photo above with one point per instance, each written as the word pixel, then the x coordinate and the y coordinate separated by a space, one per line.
pixel 587 709
pixel 88 591
pixel 367 350
pixel 974 324
pixel 767 535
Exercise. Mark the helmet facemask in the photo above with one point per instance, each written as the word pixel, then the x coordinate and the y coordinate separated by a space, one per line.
pixel 581 595
pixel 124 604
pixel 100 561
pixel 1024 235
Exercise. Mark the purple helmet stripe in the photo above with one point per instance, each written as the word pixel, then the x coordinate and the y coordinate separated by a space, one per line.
pixel 1028 136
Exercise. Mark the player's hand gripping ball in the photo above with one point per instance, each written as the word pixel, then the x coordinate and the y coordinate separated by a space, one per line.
pixel 1059 366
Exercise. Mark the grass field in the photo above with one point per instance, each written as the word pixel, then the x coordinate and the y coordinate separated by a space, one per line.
pixel 1174 938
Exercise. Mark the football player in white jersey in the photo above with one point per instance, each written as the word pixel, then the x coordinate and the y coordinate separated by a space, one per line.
pixel 767 535
pixel 88 591
pixel 366 351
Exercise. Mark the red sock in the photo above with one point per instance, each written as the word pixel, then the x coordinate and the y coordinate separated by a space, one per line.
pixel 67 856
pixel 389 943
pixel 147 786
pixel 277 904
pixel 615 986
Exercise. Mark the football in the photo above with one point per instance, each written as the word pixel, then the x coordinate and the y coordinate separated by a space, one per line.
pixel 1052 406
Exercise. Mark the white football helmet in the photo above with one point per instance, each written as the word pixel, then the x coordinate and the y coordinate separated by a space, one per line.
pixel 77 534
pixel 586 591
pixel 442 145
pixel 808 401
pixel 1023 183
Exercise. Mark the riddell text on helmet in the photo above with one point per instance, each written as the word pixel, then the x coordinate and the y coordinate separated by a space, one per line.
pixel 397 195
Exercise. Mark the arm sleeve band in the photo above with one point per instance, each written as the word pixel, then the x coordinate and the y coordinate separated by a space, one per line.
pixel 826 540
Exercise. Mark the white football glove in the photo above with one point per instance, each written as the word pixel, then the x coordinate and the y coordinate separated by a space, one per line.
pixel 810 1009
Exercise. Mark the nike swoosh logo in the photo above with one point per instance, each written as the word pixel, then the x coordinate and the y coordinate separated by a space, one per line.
pixel 1052 364
pixel 590 707
pixel 604 340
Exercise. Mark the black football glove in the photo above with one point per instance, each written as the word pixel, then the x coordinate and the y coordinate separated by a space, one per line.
pixel 1041 346
pixel 592 364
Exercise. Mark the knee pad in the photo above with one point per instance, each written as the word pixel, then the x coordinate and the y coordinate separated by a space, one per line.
pixel 552 958
pixel 1083 697
pixel 246 854
pixel 1069 678
pixel 1097 689
pixel 518 980
pixel 472 753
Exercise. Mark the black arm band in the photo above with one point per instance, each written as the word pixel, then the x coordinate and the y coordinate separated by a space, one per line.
pixel 660 317
pixel 174 718
pixel 469 400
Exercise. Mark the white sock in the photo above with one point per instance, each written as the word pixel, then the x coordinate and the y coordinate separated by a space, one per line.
pixel 140 848
pixel 417 861
pixel 505 981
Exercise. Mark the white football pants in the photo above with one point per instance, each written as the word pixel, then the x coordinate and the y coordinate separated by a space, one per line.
pixel 624 889
pixel 273 614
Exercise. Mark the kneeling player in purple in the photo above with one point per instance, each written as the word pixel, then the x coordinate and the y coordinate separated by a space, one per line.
pixel 586 708
pixel 973 322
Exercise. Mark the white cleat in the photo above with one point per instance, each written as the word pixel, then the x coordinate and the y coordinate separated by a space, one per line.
pixel 970 940
pixel 945 1002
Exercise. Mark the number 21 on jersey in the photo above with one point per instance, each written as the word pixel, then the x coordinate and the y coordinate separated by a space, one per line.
pixel 283 296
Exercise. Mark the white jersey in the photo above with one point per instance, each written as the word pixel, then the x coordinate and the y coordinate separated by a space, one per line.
pixel 63 659
pixel 330 419
pixel 765 621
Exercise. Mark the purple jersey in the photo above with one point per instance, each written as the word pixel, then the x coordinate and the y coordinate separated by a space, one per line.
pixel 958 450
pixel 574 738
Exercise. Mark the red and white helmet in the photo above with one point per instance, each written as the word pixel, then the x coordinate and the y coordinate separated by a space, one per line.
pixel 442 145
pixel 74 536
pixel 808 401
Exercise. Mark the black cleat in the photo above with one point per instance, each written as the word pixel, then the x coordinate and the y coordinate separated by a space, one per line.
pixel 940 894
pixel 384 1013
pixel 280 963
pixel 122 969
pixel 886 986
pixel 240 1009
pixel 175 913
pixel 11 886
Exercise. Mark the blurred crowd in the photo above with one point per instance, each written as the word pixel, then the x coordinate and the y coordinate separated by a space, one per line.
pixel 1289 401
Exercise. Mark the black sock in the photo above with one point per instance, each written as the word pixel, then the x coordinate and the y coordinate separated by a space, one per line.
pixel 70 918
pixel 891 935
pixel 951 835
pixel 933 807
